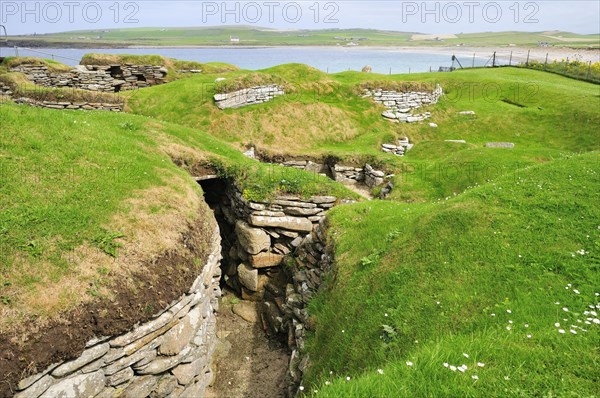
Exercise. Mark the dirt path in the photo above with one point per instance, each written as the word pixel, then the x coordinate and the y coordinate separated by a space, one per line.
pixel 247 364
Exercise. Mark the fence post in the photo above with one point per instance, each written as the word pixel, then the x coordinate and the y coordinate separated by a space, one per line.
pixel 527 62
pixel 494 60
pixel 510 61
pixel 473 64
pixel 546 62
pixel 16 51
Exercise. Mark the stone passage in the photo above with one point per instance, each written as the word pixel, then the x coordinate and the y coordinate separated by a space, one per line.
pixel 105 78
pixel 400 105
pixel 248 96
pixel 168 356
pixel 399 149
pixel 257 236
pixel 348 175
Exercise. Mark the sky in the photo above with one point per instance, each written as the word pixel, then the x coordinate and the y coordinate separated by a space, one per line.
pixel 437 17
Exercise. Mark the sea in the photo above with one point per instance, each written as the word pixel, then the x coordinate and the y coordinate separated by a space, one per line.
pixel 327 59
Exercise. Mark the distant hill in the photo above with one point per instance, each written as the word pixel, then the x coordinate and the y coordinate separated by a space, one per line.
pixel 257 36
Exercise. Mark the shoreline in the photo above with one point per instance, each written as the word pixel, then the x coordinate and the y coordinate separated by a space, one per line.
pixel 519 53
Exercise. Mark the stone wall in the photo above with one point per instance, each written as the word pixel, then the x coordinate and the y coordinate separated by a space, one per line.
pixel 248 96
pixel 312 261
pixel 101 106
pixel 168 356
pixel 109 78
pixel 348 175
pixel 258 236
pixel 400 105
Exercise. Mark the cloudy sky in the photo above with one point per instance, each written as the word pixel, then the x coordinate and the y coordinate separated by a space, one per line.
pixel 26 17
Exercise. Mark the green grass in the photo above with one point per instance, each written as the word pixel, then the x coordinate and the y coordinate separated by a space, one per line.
pixel 65 176
pixel 545 115
pixel 251 36
pixel 441 279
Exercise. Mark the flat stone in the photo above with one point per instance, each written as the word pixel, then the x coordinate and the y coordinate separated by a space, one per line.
pixel 456 141
pixel 253 240
pixel 466 113
pixel 283 248
pixel 86 357
pixel 165 386
pixel 141 331
pixel 246 310
pixel 180 335
pixel 80 386
pixel 124 362
pixel 287 233
pixel 289 203
pixel 269 213
pixel 499 145
pixel 140 387
pixel 185 373
pixel 433 125
pixel 25 383
pixel 299 211
pixel 120 377
pixel 290 223
pixel 264 260
pixel 162 364
pixel 389 146
pixel 322 199
pixel 37 388
pixel 248 276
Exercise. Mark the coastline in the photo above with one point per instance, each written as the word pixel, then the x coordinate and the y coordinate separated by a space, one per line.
pixel 519 53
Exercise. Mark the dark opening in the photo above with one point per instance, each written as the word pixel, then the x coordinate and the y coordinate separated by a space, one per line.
pixel 115 71
pixel 141 78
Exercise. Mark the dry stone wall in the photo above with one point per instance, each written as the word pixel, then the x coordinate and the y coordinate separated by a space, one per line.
pixel 312 261
pixel 109 78
pixel 248 96
pixel 400 105
pixel 261 235
pixel 169 356
pixel 100 106
pixel 348 175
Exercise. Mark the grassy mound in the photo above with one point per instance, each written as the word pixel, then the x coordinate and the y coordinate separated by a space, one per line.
pixel 172 65
pixel 503 279
pixel 543 114
pixel 79 210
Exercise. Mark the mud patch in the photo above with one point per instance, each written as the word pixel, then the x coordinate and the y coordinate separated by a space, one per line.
pixel 163 280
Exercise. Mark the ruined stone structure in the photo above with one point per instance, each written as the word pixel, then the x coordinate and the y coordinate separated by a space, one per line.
pixel 104 78
pixel 248 96
pixel 400 105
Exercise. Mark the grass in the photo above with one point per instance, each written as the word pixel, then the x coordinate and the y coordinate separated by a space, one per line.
pixel 72 190
pixel 545 115
pixel 470 255
pixel 256 36
pixel 475 274
pixel 172 65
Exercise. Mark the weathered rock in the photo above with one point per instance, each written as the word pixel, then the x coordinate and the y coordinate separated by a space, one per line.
pixel 86 357
pixel 185 373
pixel 246 310
pixel 466 113
pixel 37 388
pixel 253 240
pixel 165 386
pixel 120 377
pixel 290 223
pixel 499 145
pixel 322 199
pixel 289 203
pixel 456 141
pixel 180 335
pixel 140 387
pixel 248 276
pixel 265 260
pixel 299 211
pixel 162 364
pixel 81 386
